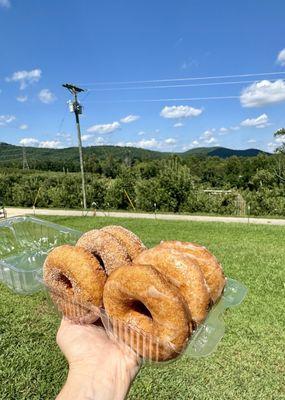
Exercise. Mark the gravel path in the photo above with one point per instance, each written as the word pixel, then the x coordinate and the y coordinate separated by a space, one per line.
pixel 11 212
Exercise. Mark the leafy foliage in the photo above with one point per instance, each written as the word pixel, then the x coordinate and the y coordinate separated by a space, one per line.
pixel 172 183
pixel 280 135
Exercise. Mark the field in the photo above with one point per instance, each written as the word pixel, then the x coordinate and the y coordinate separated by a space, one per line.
pixel 248 364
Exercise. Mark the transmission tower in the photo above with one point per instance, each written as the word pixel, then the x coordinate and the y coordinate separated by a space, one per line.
pixel 25 160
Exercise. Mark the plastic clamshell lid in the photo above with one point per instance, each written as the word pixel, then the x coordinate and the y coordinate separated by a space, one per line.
pixel 208 335
pixel 24 244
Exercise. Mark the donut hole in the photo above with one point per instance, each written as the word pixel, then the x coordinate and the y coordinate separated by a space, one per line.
pixel 65 281
pixel 100 260
pixel 140 308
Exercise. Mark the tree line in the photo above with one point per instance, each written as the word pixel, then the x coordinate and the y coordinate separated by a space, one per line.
pixel 174 184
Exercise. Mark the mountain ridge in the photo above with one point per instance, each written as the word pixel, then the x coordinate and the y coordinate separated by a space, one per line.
pixel 13 153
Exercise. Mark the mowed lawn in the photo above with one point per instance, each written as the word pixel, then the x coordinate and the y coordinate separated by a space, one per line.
pixel 248 364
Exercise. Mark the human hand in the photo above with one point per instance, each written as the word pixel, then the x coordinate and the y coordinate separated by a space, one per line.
pixel 98 367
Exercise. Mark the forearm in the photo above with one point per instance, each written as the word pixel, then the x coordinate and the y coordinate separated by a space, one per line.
pixel 87 385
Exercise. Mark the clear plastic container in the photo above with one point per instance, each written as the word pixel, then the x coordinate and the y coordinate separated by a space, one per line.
pixel 202 343
pixel 24 244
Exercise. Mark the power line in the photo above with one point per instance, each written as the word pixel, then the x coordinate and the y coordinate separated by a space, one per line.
pixel 163 100
pixel 172 86
pixel 185 79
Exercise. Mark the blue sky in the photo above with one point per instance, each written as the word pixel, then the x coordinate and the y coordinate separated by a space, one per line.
pixel 158 45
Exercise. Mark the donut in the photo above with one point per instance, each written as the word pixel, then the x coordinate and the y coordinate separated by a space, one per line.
pixel 208 263
pixel 184 272
pixel 140 299
pixel 132 242
pixel 106 248
pixel 76 281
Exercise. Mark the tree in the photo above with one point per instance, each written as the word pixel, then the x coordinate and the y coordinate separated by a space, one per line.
pixel 280 135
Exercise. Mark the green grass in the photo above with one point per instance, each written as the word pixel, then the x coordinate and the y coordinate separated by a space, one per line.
pixel 248 364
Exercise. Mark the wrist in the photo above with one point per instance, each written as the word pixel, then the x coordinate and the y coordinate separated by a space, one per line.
pixel 86 382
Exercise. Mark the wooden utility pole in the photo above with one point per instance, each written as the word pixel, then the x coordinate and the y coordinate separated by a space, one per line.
pixel 75 106
pixel 25 160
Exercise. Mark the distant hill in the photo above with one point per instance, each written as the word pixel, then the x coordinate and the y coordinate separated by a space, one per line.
pixel 12 155
pixel 222 152
pixel 12 152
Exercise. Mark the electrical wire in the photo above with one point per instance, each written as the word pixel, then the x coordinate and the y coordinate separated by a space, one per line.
pixel 163 100
pixel 172 86
pixel 184 79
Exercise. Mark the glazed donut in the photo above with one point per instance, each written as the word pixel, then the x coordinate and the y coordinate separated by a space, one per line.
pixel 106 248
pixel 76 281
pixel 208 263
pixel 185 273
pixel 141 298
pixel 132 243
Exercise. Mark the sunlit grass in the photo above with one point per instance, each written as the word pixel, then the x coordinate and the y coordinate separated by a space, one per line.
pixel 249 362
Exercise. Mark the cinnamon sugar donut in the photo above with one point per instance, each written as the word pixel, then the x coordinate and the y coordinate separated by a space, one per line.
pixel 185 273
pixel 141 298
pixel 106 248
pixel 76 281
pixel 208 263
pixel 132 242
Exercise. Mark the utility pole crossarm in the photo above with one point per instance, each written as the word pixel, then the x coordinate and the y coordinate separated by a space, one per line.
pixel 72 88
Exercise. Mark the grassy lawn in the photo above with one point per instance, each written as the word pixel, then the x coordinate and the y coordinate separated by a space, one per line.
pixel 249 362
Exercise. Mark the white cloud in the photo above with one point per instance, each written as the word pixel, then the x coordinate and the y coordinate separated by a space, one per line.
pixel 22 99
pixel 264 92
pixel 25 77
pixel 85 138
pixel 5 3
pixel 211 140
pixel 99 141
pixel 180 112
pixel 23 127
pixel 148 143
pixel 140 133
pixel 271 146
pixel 64 135
pixel 178 125
pixel 29 142
pixel 251 141
pixel 280 139
pixel 50 144
pixel 281 57
pixel 223 131
pixel 206 134
pixel 234 128
pixel 46 96
pixel 47 144
pixel 170 141
pixel 258 122
pixel 6 119
pixel 277 141
pixel 208 138
pixel 104 128
pixel 129 118
pixel 194 143
pixel 125 144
